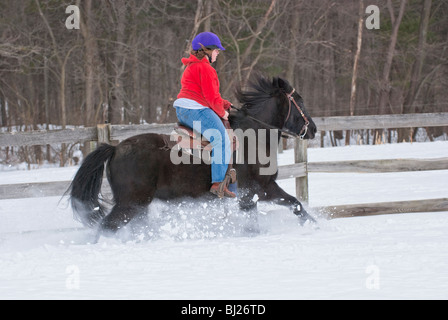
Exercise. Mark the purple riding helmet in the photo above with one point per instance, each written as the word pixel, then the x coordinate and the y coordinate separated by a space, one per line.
pixel 208 40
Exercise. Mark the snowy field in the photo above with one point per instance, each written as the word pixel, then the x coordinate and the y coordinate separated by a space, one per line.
pixel 199 253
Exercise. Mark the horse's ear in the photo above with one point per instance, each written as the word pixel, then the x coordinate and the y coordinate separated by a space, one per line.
pixel 281 83
pixel 284 84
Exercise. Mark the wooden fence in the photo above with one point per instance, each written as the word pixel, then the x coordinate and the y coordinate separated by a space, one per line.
pixel 299 170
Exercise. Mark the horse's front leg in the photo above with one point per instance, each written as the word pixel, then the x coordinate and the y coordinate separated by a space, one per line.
pixel 274 193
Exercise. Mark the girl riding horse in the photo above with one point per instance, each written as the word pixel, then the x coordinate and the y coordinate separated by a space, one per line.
pixel 199 105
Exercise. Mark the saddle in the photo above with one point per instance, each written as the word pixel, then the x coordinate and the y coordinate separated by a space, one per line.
pixel 188 139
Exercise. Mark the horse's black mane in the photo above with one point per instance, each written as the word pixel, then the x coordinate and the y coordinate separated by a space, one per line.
pixel 258 99
pixel 258 92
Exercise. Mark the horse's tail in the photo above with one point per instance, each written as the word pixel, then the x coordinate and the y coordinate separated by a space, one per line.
pixel 85 187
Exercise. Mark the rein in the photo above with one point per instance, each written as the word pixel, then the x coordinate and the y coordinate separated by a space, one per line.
pixel 268 126
pixel 284 132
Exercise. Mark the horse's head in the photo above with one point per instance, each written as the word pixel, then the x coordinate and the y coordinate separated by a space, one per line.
pixel 276 103
pixel 292 110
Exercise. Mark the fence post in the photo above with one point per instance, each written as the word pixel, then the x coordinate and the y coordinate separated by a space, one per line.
pixel 103 133
pixel 301 155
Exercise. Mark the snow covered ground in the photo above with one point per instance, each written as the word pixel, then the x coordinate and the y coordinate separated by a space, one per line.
pixel 198 253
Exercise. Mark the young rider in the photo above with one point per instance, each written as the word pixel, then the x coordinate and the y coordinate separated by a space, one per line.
pixel 199 100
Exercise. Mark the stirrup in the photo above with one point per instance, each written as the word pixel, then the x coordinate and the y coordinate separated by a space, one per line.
pixel 232 174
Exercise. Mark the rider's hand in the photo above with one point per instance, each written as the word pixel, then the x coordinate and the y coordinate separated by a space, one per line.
pixel 225 116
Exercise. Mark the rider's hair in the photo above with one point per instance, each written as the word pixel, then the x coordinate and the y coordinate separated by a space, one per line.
pixel 201 53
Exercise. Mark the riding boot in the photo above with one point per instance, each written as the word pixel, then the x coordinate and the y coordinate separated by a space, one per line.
pixel 221 188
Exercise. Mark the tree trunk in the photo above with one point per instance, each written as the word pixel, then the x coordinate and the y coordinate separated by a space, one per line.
pixel 355 66
pixel 208 14
pixel 292 59
pixel 117 96
pixel 385 79
pixel 136 115
pixel 409 101
pixel 3 120
pixel 62 97
pixel 90 53
pixel 356 60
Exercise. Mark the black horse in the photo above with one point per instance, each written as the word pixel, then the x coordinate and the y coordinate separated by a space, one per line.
pixel 139 169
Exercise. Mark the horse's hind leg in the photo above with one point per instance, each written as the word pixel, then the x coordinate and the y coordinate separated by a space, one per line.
pixel 120 216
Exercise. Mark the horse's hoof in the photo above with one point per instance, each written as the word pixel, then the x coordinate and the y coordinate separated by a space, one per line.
pixel 96 236
pixel 304 217
pixel 106 233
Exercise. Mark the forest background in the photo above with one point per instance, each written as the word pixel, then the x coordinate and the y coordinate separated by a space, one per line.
pixel 122 64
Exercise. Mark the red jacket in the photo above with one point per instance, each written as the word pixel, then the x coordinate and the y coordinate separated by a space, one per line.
pixel 200 83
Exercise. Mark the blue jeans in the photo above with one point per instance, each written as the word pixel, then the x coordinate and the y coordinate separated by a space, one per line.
pixel 210 125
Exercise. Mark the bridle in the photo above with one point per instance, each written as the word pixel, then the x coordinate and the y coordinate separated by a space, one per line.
pixel 304 129
pixel 285 132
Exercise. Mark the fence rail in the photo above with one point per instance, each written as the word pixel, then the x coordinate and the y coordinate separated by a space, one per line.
pixel 382 122
pixel 102 132
pixel 33 190
pixel 381 165
pixel 298 170
pixel 121 132
pixel 366 209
